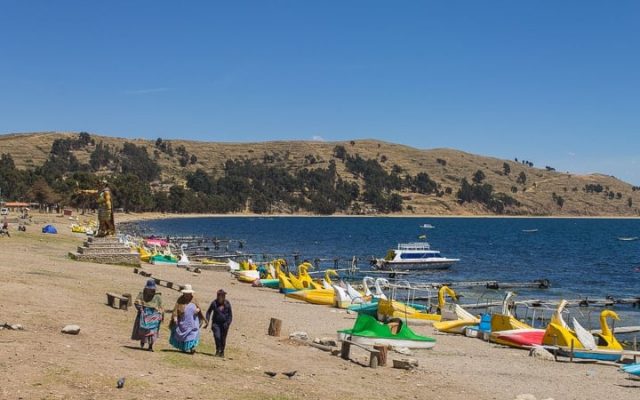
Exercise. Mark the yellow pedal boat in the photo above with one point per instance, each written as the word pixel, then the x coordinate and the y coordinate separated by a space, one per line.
pixel 321 296
pixel 455 319
pixel 388 309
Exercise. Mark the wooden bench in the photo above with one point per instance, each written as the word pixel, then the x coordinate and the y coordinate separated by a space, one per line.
pixel 377 354
pixel 123 301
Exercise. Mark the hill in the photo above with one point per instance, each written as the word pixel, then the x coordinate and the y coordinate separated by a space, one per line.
pixel 435 181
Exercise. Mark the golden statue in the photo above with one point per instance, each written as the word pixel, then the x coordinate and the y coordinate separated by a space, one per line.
pixel 106 225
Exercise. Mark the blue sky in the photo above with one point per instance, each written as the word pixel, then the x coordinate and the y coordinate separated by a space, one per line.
pixel 557 83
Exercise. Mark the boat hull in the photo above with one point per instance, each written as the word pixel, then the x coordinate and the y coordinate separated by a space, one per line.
pixel 375 341
pixel 456 326
pixel 394 309
pixel 268 283
pixel 519 338
pixel 416 266
pixel 247 276
pixel 368 308
pixel 155 260
pixel 633 369
pixel 597 355
pixel 314 296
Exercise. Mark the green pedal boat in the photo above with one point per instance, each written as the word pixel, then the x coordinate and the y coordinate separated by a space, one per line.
pixel 368 331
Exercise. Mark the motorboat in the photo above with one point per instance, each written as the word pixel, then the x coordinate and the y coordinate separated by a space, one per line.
pixel 415 256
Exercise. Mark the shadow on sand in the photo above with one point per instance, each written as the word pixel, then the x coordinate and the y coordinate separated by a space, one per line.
pixel 202 353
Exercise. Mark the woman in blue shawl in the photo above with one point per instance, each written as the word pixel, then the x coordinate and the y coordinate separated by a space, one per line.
pixel 149 317
pixel 185 322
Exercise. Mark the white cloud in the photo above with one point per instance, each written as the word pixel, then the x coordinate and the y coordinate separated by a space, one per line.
pixel 146 91
pixel 317 138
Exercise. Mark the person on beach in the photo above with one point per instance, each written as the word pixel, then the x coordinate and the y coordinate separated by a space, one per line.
pixel 150 315
pixel 186 320
pixel 220 315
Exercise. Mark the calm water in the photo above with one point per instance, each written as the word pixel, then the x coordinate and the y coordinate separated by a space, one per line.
pixel 581 257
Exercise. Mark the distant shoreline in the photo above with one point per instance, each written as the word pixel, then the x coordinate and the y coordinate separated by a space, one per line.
pixel 153 216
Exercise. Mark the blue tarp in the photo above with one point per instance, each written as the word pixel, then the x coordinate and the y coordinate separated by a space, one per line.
pixel 49 229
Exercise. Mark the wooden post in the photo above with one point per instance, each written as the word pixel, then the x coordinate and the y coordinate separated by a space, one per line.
pixel 274 327
pixel 571 354
pixel 373 360
pixel 345 350
pixel 382 355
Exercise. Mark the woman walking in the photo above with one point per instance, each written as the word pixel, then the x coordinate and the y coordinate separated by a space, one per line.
pixel 221 316
pixel 149 317
pixel 185 322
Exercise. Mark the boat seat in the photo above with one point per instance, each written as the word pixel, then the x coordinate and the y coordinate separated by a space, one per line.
pixel 394 324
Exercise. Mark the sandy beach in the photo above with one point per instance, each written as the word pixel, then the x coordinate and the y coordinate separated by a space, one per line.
pixel 146 216
pixel 44 290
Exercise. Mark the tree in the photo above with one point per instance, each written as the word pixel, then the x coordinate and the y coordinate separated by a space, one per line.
pixel 558 199
pixel 101 156
pixel 478 177
pixel 42 193
pixel 506 169
pixel 522 178
pixel 465 193
pixel 84 139
pixel 136 161
pixel 422 183
pixel 630 202
pixel 200 181
pixel 131 194
pixel 395 203
pixel 340 152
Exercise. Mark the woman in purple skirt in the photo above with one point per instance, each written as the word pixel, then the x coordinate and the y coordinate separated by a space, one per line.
pixel 185 322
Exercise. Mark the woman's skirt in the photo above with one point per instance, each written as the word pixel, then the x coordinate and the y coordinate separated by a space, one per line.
pixel 146 327
pixel 185 346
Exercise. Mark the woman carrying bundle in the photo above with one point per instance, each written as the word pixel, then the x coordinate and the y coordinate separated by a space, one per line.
pixel 149 317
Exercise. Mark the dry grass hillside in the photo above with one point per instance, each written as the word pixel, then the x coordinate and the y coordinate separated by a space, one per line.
pixel 447 167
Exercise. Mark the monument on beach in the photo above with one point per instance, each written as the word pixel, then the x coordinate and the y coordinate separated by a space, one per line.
pixel 105 248
pixel 106 224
